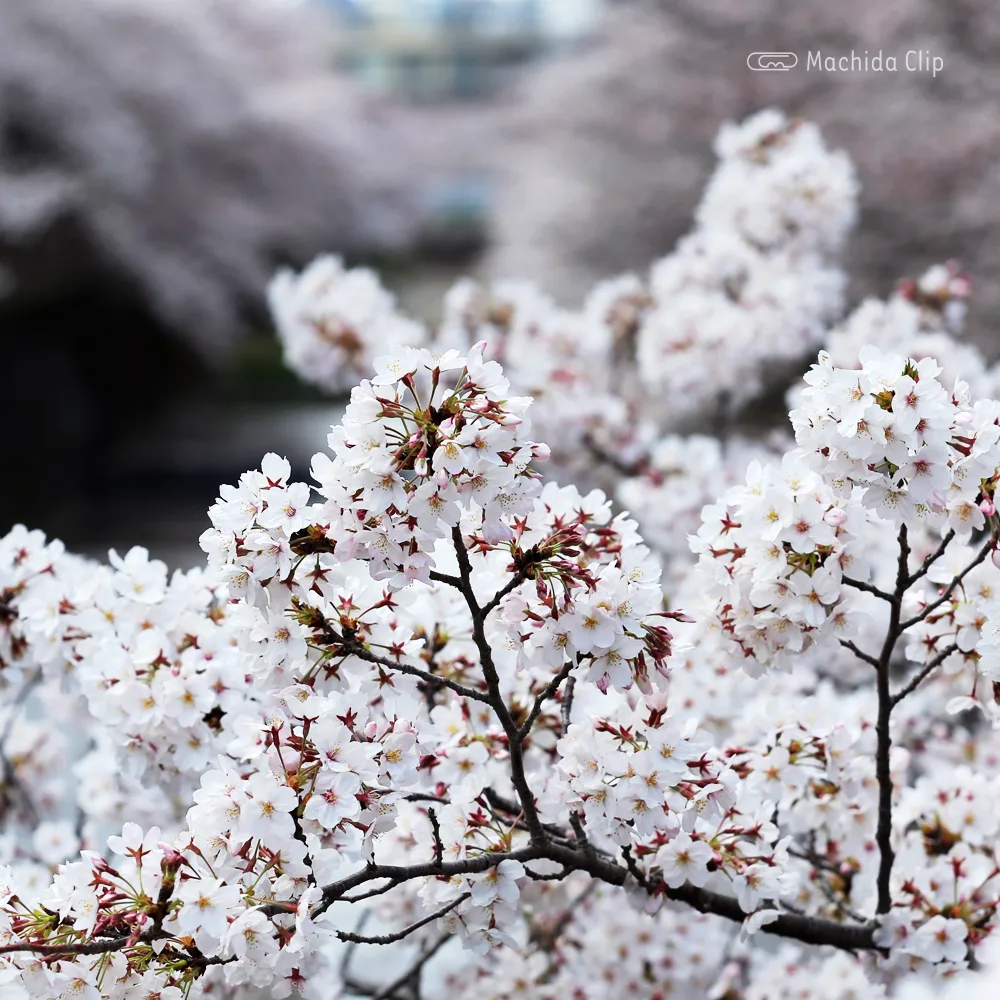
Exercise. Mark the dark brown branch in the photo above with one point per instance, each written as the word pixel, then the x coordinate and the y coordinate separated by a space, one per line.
pixel 510 808
pixel 924 672
pixel 381 890
pixel 798 927
pixel 524 563
pixel 512 584
pixel 887 701
pixel 436 830
pixel 451 581
pixel 883 736
pixel 510 727
pixel 363 653
pixel 933 557
pixel 542 697
pixel 99 947
pixel 859 653
pixel 353 938
pixel 868 588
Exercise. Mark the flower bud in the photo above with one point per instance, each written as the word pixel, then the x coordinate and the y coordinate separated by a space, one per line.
pixel 835 517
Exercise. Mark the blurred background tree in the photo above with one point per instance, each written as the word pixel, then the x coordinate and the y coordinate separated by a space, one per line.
pixel 613 143
pixel 158 160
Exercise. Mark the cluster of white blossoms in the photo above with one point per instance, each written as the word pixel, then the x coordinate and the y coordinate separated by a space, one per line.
pixel 347 664
pixel 653 785
pixel 332 322
pixel 881 447
pixel 773 554
pixel 432 682
pixel 756 282
pixel 556 748
pixel 564 359
pixel 922 319
pixel 672 485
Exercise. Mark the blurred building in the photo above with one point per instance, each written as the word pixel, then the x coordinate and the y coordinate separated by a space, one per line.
pixel 432 50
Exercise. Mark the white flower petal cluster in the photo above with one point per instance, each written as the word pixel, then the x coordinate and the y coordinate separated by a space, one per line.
pixel 773 555
pixel 433 685
pixel 921 451
pixel 756 281
pixel 333 321
pixel 923 319
pixel 678 478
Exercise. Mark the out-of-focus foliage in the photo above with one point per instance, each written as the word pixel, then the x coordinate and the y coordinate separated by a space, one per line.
pixel 614 142
pixel 177 148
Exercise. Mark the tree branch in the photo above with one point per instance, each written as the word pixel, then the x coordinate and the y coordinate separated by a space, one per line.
pixel 798 927
pixel 883 736
pixel 933 558
pixel 496 701
pixel 925 672
pixel 543 696
pixel 362 652
pixel 950 589
pixel 353 938
pixel 859 653
pixel 868 588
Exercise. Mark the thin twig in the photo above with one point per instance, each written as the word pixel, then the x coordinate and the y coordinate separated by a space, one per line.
pixel 925 671
pixel 950 589
pixel 363 653
pixel 933 558
pixel 381 890
pixel 414 970
pixel 436 829
pixel 354 938
pixel 543 696
pixel 859 653
pixel 868 588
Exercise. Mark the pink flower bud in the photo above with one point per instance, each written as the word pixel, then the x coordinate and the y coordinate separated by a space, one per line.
pixel 835 517
pixel 541 452
pixel 960 286
pixel 657 700
pixel 987 507
pixel 962 419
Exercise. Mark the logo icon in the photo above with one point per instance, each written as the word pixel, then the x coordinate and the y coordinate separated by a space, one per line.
pixel 773 62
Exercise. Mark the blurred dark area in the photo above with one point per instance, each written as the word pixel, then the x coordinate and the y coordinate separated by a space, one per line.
pixel 158 161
